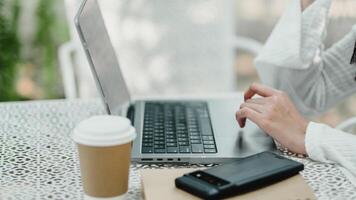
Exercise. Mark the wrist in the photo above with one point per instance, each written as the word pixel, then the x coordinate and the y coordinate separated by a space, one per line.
pixel 300 140
pixel 304 126
pixel 306 3
pixel 304 131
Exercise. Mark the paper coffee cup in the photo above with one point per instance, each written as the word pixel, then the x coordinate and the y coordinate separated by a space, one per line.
pixel 104 145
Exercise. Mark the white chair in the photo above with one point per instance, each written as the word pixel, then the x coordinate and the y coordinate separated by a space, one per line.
pixel 65 52
pixel 77 78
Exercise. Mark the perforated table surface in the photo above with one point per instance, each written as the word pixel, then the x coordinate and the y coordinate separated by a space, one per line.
pixel 38 160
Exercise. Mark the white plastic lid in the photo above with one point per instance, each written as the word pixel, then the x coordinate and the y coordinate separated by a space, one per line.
pixel 104 130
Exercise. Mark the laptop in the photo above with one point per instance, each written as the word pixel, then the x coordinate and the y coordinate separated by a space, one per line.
pixel 168 130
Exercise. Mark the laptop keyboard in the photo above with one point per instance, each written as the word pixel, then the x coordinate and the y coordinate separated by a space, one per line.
pixel 177 127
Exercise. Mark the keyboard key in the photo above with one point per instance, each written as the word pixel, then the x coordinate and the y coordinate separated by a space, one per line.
pixel 171 140
pixel 171 144
pixel 147 149
pixel 197 148
pixel 160 150
pixel 170 132
pixel 183 143
pixel 210 150
pixel 159 146
pixel 208 142
pixel 194 133
pixel 182 139
pixel 209 146
pixel 172 149
pixel 148 136
pixel 184 149
pixel 194 137
pixel 182 136
pixel 208 137
pixel 170 136
pixel 195 141
pixel 158 142
pixel 147 144
pixel 159 138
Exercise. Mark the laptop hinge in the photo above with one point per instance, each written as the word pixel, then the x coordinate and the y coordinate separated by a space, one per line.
pixel 131 113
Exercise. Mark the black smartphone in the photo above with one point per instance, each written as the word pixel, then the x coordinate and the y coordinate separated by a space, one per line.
pixel 243 175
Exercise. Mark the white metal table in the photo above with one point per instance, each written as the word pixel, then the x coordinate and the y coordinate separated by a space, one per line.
pixel 38 160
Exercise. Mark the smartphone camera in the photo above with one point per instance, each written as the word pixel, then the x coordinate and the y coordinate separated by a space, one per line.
pixel 209 178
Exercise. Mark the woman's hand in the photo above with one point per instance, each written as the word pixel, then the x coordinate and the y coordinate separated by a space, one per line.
pixel 276 115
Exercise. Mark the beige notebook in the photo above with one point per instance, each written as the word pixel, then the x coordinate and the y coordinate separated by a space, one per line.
pixel 158 184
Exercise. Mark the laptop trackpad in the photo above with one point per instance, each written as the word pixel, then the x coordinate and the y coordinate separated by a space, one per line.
pixel 231 139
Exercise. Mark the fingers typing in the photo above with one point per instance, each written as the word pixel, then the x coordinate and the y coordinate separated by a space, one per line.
pixel 259 89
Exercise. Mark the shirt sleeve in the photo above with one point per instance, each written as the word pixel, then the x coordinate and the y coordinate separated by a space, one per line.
pixel 326 144
pixel 294 59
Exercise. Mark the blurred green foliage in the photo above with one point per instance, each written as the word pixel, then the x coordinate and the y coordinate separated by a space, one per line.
pixel 40 65
pixel 9 51
pixel 46 46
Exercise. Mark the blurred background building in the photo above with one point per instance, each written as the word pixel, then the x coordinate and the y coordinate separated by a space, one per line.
pixel 164 47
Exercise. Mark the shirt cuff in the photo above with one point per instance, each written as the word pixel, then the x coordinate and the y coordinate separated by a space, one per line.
pixel 328 145
pixel 313 142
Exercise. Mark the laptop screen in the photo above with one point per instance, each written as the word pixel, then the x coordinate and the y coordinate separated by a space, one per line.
pixel 101 56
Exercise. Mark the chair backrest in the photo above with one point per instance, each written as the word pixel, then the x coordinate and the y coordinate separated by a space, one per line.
pixel 77 78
